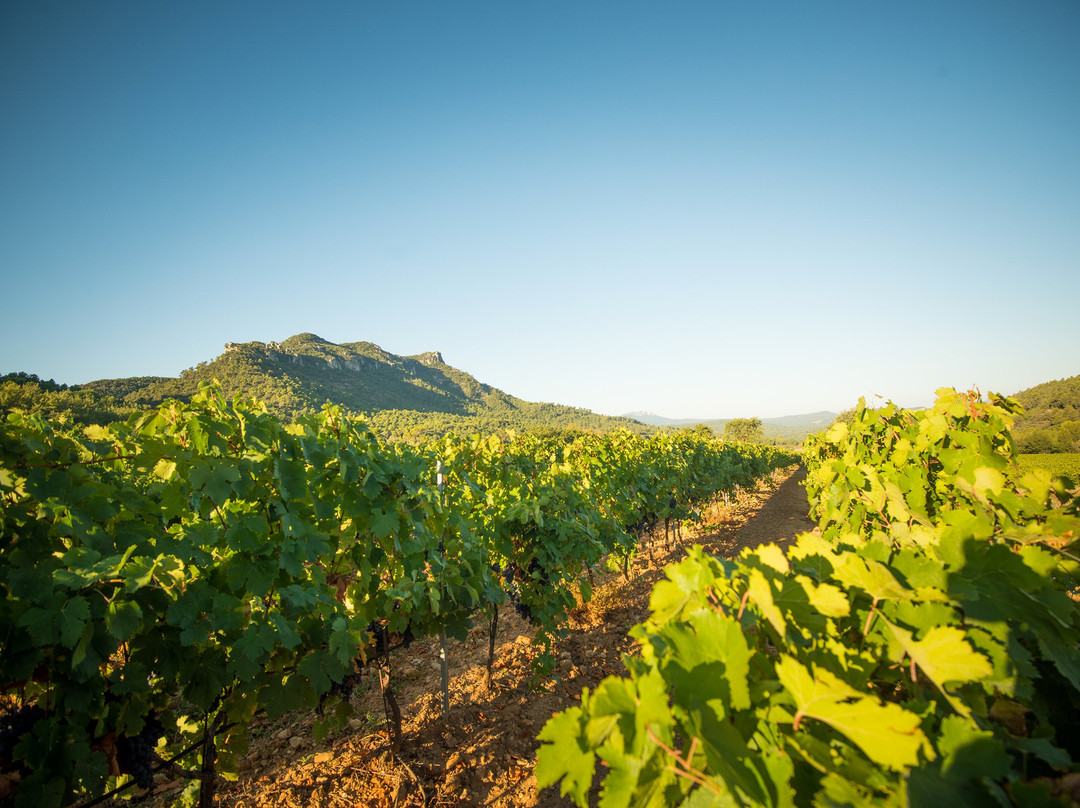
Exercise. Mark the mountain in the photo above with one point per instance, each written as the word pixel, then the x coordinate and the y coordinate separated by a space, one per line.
pixel 811 421
pixel 652 419
pixel 402 396
pixel 787 428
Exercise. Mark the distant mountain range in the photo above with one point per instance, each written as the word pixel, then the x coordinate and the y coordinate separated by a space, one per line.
pixel 787 427
pixel 1051 422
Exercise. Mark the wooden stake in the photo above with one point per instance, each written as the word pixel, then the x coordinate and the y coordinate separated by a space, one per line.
pixel 444 668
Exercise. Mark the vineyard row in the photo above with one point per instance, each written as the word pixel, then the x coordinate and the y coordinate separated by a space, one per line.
pixel 167 577
pixel 919 649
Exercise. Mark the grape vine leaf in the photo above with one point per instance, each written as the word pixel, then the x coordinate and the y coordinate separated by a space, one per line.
pixel 761 594
pixel 968 752
pixel 887 733
pixel 872 577
pixel 72 619
pixel 122 618
pixel 564 756
pixel 944 655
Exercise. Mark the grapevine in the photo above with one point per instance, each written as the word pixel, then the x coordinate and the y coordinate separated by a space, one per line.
pixel 920 651
pixel 205 562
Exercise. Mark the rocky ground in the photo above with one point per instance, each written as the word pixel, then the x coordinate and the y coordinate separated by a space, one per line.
pixel 484 754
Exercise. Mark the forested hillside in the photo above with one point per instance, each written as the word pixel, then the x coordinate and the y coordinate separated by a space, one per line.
pixel 27 392
pixel 1051 422
pixel 403 396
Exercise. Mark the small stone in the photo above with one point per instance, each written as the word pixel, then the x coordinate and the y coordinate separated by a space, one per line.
pixel 283 734
pixel 322 758
pixel 296 741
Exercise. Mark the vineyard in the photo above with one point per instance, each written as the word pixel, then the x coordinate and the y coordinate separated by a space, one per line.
pixel 919 648
pixel 169 580
pixel 1063 464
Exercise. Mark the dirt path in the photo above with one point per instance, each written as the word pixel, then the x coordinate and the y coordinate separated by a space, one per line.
pixel 485 753
pixel 779 518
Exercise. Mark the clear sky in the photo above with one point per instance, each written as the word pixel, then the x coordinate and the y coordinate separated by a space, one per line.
pixel 701 209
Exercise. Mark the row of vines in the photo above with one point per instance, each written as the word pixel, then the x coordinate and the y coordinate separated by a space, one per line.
pixel 921 648
pixel 166 579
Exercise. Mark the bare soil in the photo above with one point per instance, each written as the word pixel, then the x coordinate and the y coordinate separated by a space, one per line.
pixel 484 754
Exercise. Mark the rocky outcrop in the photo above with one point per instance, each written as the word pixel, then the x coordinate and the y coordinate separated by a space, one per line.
pixel 430 358
pixel 278 352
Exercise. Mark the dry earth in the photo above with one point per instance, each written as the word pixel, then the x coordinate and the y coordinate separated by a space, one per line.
pixel 484 754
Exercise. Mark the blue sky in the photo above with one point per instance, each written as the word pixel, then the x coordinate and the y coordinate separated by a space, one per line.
pixel 702 209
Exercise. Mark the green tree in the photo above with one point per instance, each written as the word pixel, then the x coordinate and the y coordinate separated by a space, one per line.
pixel 846 417
pixel 698 430
pixel 1067 436
pixel 748 430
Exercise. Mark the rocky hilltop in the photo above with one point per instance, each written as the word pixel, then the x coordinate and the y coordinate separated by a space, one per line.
pixel 403 396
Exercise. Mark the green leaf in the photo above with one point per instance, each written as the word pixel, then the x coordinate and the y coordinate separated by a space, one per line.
pixel 944 655
pixel 292 476
pixel 215 478
pixel 919 570
pixel 564 756
pixel 872 577
pixel 772 556
pixel 256 643
pixel 95 432
pixel 707 658
pixel 926 788
pixel 286 636
pixel 1064 653
pixel 829 600
pixel 385 524
pixel 667 600
pixel 314 666
pixel 1043 749
pixel 968 753
pixel 41 624
pixel 836 792
pixel 284 697
pixel 165 469
pixel 122 618
pixel 73 618
pixel 585 589
pixel 83 646
pixel 761 594
pixel 887 733
pixel 988 480
pixel 345 644
pixel 208 679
